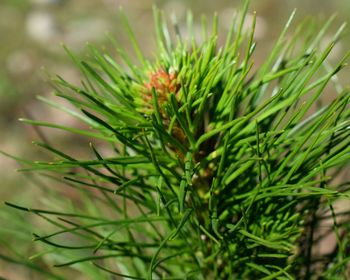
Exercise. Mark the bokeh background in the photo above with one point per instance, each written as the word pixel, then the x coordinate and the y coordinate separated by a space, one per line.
pixel 31 34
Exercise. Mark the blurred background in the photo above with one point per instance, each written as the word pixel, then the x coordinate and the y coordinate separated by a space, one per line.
pixel 31 33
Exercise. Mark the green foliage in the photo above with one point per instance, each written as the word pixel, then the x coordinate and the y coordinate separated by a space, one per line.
pixel 210 169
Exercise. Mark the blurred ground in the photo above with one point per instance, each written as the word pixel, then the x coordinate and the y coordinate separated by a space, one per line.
pixel 30 35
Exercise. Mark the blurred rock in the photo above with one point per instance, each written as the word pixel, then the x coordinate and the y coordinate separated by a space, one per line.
pixel 175 8
pixel 41 26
